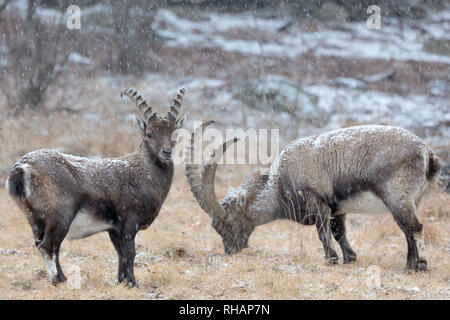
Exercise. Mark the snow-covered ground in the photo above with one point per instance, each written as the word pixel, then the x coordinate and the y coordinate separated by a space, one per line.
pixel 396 41
pixel 352 40
pixel 337 105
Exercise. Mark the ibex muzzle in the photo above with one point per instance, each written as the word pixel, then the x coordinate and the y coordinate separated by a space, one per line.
pixel 64 196
pixel 318 180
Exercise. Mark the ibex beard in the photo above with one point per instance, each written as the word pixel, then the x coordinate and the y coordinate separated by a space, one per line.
pixel 64 196
pixel 318 180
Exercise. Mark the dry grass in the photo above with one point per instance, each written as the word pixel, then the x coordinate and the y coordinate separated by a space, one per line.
pixel 181 257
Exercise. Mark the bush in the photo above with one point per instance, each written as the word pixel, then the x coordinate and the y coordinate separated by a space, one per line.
pixel 34 55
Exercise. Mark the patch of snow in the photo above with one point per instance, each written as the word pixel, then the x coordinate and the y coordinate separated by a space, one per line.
pixel 218 22
pixel 377 107
pixel 75 57
pixel 201 83
pixel 350 83
pixel 439 87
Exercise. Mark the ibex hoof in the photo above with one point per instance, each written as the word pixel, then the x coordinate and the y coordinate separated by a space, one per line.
pixel 58 279
pixel 332 261
pixel 129 283
pixel 422 265
pixel 350 258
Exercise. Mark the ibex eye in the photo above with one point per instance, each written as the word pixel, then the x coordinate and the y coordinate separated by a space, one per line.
pixel 149 135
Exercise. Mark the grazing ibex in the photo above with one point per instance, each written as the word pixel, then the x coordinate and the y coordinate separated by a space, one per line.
pixel 66 196
pixel 318 180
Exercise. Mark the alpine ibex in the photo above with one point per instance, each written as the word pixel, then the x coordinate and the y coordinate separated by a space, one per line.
pixel 318 180
pixel 66 196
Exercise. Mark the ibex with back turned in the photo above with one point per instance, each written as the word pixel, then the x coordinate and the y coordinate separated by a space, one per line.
pixel 318 180
pixel 66 196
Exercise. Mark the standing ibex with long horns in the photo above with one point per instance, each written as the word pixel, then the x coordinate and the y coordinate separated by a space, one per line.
pixel 318 180
pixel 66 196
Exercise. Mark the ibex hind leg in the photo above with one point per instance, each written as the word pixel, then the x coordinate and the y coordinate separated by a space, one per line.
pixel 339 233
pixel 56 229
pixel 38 228
pixel 404 210
pixel 35 220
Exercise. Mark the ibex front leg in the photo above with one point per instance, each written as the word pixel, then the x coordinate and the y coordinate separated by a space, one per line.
pixel 339 233
pixel 324 231
pixel 123 242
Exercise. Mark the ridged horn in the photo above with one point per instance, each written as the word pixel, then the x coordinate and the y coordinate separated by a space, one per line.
pixel 173 109
pixel 201 176
pixel 142 105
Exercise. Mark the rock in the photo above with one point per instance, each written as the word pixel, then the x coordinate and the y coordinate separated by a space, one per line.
pixel 279 94
pixel 330 11
pixel 438 46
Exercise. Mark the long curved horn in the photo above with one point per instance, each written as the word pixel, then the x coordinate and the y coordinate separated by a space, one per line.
pixel 201 177
pixel 142 105
pixel 173 109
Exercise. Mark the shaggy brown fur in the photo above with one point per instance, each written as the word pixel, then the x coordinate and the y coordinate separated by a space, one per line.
pixel 317 180
pixel 66 196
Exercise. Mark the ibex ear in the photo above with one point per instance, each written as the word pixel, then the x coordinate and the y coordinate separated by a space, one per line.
pixel 180 121
pixel 142 125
